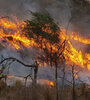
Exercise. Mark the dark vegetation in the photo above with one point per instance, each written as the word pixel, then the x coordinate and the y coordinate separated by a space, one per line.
pixel 40 92
pixel 39 21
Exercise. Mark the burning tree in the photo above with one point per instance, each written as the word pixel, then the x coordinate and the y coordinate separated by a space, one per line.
pixel 46 33
pixel 42 28
pixel 20 35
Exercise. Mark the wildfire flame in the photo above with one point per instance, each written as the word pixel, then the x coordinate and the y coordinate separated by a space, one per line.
pixel 50 83
pixel 11 33
pixel 79 39
pixel 10 76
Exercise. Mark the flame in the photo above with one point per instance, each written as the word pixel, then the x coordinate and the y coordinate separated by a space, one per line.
pixel 10 76
pixel 11 33
pixel 76 37
pixel 50 83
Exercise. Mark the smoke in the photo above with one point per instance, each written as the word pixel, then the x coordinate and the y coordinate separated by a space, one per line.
pixel 59 10
pixel 15 68
pixel 18 8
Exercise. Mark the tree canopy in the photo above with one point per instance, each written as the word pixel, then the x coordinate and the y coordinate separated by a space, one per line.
pixel 42 25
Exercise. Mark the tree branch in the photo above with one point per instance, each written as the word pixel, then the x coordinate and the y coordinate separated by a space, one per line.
pixel 15 59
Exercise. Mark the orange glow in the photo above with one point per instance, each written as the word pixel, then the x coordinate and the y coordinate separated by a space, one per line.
pixel 10 76
pixel 14 35
pixel 50 83
pixel 11 33
pixel 79 39
pixel 76 76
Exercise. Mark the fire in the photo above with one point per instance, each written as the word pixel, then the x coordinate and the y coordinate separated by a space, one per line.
pixel 76 57
pixel 10 76
pixel 11 33
pixel 50 83
pixel 8 24
pixel 15 39
pixel 79 39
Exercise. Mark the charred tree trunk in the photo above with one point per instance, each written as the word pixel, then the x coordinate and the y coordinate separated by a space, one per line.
pixel 25 81
pixel 35 73
pixel 73 90
pixel 63 78
pixel 56 78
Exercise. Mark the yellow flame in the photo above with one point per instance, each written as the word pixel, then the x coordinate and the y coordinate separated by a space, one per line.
pixel 11 33
pixel 50 83
pixel 76 37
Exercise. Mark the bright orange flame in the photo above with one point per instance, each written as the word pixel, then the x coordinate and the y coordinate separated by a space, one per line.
pixel 50 83
pixel 11 33
pixel 79 39
pixel 10 76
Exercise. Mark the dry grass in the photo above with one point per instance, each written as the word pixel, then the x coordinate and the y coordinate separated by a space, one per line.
pixel 39 92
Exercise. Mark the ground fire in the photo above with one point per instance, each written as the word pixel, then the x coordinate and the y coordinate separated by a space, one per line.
pixel 11 34
pixel 50 83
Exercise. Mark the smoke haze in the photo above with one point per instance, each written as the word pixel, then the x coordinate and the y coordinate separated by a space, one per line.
pixel 59 9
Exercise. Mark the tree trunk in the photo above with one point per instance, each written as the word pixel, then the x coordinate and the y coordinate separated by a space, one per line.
pixel 73 91
pixel 56 80
pixel 62 89
pixel 35 73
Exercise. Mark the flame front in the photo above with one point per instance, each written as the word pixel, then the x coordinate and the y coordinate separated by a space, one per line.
pixel 11 33
pixel 79 39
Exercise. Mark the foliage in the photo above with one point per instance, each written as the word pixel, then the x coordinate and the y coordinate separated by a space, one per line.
pixel 39 21
pixel 40 92
pixel 42 26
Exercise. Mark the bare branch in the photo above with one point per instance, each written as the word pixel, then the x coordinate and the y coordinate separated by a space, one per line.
pixel 15 59
pixel 66 80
